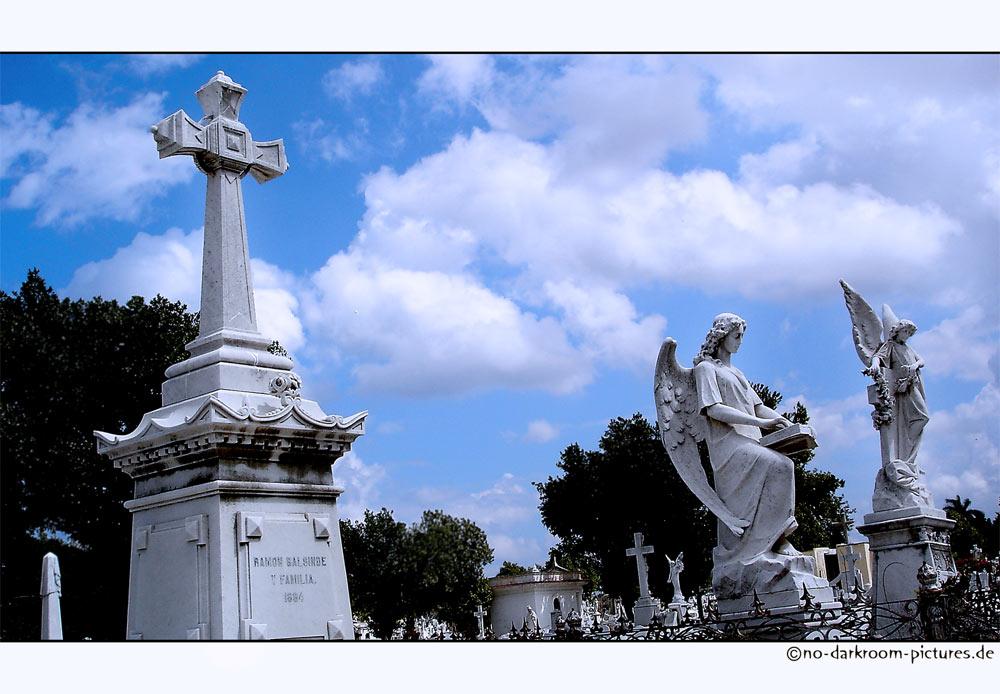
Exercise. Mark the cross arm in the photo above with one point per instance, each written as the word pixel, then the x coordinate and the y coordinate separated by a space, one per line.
pixel 269 160
pixel 178 134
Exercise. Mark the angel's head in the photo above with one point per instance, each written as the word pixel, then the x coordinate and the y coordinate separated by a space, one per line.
pixel 727 328
pixel 902 331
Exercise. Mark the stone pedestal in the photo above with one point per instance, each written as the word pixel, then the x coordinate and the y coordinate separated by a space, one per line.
pixel 901 541
pixel 643 611
pixel 235 529
pixel 783 602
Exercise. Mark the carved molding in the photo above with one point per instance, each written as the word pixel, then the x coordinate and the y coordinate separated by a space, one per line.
pixel 249 526
pixel 251 631
pixel 142 537
pixel 335 630
pixel 196 528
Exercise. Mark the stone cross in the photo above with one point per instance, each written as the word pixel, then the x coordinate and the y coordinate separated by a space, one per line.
pixel 847 576
pixel 638 551
pixel 480 613
pixel 51 590
pixel 225 152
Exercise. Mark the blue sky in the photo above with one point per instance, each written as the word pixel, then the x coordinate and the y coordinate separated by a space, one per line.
pixel 485 251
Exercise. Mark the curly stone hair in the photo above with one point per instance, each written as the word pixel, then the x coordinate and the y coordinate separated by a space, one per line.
pixel 723 324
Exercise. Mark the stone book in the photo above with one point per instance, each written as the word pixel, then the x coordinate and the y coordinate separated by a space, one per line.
pixel 792 439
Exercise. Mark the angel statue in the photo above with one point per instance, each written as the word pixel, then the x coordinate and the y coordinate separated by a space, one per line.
pixel 901 412
pixel 754 493
pixel 676 566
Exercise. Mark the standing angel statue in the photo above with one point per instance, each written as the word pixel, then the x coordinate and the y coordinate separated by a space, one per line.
pixel 754 492
pixel 901 412
pixel 676 566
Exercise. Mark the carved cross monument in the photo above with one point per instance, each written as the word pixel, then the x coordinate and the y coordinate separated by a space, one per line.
pixel 235 530
pixel 645 606
pixel 224 151
pixel 638 551
pixel 480 613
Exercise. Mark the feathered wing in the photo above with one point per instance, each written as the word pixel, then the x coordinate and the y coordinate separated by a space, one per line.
pixel 867 326
pixel 682 427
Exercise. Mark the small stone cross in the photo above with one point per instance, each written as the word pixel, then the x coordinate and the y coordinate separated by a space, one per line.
pixel 638 551
pixel 225 152
pixel 847 576
pixel 480 613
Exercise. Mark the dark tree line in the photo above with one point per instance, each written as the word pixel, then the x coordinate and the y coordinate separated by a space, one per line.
pixel 629 485
pixel 398 573
pixel 66 369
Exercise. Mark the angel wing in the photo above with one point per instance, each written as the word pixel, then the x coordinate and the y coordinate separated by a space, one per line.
pixel 682 427
pixel 867 326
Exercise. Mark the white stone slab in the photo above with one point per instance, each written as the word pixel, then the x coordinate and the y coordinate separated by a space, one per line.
pixel 289 565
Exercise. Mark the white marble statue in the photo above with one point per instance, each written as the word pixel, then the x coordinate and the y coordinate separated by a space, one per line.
pixel 676 566
pixel 754 493
pixel 898 396
pixel 532 619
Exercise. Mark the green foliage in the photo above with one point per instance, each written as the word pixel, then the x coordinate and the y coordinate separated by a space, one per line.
pixel 511 569
pixel 398 573
pixel 972 527
pixel 66 369
pixel 626 486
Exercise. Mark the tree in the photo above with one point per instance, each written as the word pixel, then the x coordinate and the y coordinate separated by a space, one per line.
pixel 396 572
pixel 819 510
pixel 511 569
pixel 626 486
pixel 66 369
pixel 972 527
pixel 381 570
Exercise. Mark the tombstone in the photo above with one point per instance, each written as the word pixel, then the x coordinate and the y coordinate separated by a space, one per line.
pixel 480 613
pixel 645 606
pixel 235 528
pixel 51 591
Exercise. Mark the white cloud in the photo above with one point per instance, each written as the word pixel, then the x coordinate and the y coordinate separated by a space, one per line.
pixel 167 264
pixel 327 141
pixel 170 264
pixel 427 332
pixel 963 346
pixel 960 451
pixel 353 77
pixel 361 481
pixel 147 64
pixel 540 431
pixel 457 77
pixel 63 170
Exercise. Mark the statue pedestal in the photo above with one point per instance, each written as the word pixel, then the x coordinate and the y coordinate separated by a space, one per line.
pixel 235 529
pixel 901 541
pixel 782 602
pixel 643 611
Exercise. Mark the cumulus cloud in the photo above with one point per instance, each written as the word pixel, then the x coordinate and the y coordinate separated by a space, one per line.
pixel 353 77
pixel 961 450
pixel 540 431
pixel 167 264
pixel 360 481
pixel 456 78
pixel 147 64
pixel 170 264
pixel 428 332
pixel 61 169
pixel 963 346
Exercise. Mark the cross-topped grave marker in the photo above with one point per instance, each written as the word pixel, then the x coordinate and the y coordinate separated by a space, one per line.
pixel 234 489
pixel 224 151
pixel 638 551
pixel 480 613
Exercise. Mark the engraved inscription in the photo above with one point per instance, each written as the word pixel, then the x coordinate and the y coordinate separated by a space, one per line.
pixel 291 578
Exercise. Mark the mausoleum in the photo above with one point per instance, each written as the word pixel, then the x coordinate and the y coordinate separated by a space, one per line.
pixel 548 593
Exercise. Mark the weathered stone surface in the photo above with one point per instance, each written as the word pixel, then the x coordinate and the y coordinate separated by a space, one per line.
pixel 235 466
